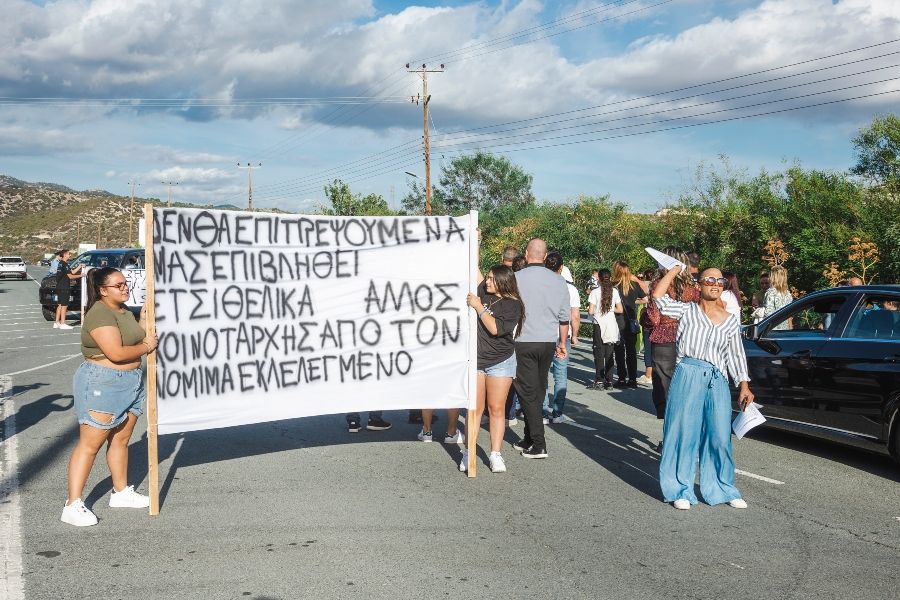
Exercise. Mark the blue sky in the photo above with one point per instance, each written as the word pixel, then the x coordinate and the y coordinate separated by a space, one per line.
pixel 234 57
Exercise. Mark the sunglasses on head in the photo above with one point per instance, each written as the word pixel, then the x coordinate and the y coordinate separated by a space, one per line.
pixel 710 281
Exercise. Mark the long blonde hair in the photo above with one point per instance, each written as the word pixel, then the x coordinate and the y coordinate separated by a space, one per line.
pixel 621 276
pixel 778 279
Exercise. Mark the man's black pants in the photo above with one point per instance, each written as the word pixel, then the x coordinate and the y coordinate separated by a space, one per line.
pixel 533 361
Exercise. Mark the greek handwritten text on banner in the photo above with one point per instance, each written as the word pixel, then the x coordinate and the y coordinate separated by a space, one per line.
pixel 263 317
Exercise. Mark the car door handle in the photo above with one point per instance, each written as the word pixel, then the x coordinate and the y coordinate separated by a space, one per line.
pixel 893 359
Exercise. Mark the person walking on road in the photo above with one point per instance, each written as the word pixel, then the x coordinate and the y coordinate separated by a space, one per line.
pixel 698 411
pixel 632 292
pixel 500 316
pixel 543 335
pixel 108 390
pixel 64 277
pixel 555 403
pixel 604 304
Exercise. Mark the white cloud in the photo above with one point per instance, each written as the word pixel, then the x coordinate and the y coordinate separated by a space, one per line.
pixel 19 140
pixel 167 154
pixel 191 175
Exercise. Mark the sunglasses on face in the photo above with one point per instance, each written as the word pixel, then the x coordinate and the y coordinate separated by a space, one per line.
pixel 711 281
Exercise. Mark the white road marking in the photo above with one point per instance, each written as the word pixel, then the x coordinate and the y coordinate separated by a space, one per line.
pixel 34 337
pixel 610 442
pixel 760 477
pixel 50 364
pixel 573 423
pixel 11 580
pixel 41 329
pixel 42 346
pixel 35 322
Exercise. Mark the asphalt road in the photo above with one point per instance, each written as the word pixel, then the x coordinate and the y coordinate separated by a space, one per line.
pixel 303 509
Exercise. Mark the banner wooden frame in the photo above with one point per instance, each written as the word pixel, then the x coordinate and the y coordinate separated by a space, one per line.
pixel 152 415
pixel 473 427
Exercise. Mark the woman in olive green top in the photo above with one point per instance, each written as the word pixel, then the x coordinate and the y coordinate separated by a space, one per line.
pixel 108 391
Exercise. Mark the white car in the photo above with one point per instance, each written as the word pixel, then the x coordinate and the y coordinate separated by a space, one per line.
pixel 12 266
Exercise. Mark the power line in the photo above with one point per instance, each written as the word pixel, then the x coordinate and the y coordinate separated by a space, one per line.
pixel 453 141
pixel 725 120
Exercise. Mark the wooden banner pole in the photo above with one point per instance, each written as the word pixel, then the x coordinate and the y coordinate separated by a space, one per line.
pixel 473 425
pixel 152 450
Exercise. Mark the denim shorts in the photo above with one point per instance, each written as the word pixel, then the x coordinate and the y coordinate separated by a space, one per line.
pixel 108 391
pixel 507 368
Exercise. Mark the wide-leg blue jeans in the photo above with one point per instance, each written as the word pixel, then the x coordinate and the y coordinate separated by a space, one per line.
pixel 698 420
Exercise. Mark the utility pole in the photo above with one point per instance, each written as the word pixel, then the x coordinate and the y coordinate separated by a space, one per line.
pixel 169 185
pixel 426 98
pixel 131 215
pixel 250 168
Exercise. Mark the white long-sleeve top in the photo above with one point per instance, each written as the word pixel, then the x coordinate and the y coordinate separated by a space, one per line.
pixel 698 337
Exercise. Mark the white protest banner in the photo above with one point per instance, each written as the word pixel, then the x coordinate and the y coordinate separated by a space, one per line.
pixel 137 291
pixel 264 316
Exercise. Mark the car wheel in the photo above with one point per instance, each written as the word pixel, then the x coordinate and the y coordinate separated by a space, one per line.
pixel 49 314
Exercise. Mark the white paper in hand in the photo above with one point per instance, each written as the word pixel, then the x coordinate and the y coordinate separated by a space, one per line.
pixel 664 260
pixel 747 420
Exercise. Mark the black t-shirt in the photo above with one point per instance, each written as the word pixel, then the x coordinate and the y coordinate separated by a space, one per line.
pixel 493 350
pixel 628 300
pixel 62 274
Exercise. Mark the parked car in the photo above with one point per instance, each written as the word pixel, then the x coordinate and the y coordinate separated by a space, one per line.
pixel 12 266
pixel 828 365
pixel 113 257
pixel 45 262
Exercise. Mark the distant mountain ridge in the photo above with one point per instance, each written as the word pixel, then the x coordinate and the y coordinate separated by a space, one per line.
pixel 37 218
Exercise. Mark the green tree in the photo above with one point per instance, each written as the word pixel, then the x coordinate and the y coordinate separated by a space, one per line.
pixel 483 181
pixel 343 202
pixel 413 203
pixel 878 154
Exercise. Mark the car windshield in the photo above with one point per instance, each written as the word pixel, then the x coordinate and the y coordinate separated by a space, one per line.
pixel 98 259
pixel 10 260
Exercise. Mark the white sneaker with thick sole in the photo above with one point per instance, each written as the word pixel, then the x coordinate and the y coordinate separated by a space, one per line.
pixel 78 514
pixel 425 436
pixel 644 380
pixel 681 504
pixel 558 420
pixel 63 326
pixel 737 503
pixel 456 438
pixel 128 498
pixel 55 325
pixel 464 462
pixel 498 465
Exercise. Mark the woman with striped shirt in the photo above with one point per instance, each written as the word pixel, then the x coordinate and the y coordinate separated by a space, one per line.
pixel 698 409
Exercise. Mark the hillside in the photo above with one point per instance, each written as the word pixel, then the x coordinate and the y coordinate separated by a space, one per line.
pixel 38 218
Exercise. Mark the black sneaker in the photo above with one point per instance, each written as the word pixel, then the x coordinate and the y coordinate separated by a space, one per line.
pixel 632 383
pixel 378 425
pixel 534 453
pixel 522 445
pixel 607 385
pixel 353 426
pixel 620 384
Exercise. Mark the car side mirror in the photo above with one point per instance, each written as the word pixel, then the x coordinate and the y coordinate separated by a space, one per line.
pixel 751 332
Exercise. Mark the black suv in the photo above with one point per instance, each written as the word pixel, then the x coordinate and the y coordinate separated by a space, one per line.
pixel 828 365
pixel 113 257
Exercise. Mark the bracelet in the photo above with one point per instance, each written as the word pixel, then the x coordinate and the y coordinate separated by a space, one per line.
pixel 481 314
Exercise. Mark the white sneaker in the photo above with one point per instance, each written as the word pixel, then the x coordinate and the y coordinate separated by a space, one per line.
pixel 128 498
pixel 737 503
pixel 425 436
pixel 464 462
pixel 63 326
pixel 498 465
pixel 681 504
pixel 456 438
pixel 558 420
pixel 78 514
pixel 644 380
pixel 55 325
pixel 546 420
pixel 513 422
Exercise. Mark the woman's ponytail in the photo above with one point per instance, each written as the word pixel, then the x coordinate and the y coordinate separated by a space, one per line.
pixel 96 279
